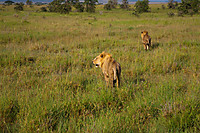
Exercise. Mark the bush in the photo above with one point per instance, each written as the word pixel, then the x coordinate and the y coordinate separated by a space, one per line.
pixel 142 6
pixel 64 8
pixel 79 7
pixel 28 2
pixel 180 13
pixel 107 7
pixel 171 4
pixel 124 4
pixel 187 5
pixel 163 6
pixel 111 4
pixel 59 6
pixel 115 2
pixel 19 6
pixel 8 2
pixel 175 3
pixel 8 114
pixel 190 12
pixel 170 14
pixel 90 5
pixel 38 3
pixel 43 9
pixel 135 13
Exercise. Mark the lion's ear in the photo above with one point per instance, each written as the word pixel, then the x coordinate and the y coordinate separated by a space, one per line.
pixel 101 55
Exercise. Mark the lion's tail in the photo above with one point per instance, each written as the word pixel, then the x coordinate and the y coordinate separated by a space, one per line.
pixel 149 41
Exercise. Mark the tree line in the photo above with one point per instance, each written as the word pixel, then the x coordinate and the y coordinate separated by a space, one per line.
pixel 65 6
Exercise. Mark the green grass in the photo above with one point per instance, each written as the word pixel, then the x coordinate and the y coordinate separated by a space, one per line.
pixel 49 84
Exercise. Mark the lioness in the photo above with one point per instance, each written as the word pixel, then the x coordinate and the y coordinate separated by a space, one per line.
pixel 146 40
pixel 110 68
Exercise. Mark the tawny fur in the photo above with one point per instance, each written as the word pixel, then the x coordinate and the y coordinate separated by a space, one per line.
pixel 146 40
pixel 110 68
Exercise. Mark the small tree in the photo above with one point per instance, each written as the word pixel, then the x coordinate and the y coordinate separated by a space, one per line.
pixel 142 6
pixel 135 13
pixel 107 7
pixel 79 6
pixel 28 2
pixel 54 5
pixel 163 6
pixel 180 13
pixel 189 6
pixel 115 2
pixel 172 5
pixel 176 4
pixel 43 9
pixel 90 5
pixel 59 6
pixel 8 2
pixel 65 8
pixel 38 3
pixel 170 14
pixel 111 4
pixel 19 6
pixel 124 4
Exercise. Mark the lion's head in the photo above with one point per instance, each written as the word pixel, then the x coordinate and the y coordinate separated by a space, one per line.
pixel 143 33
pixel 100 59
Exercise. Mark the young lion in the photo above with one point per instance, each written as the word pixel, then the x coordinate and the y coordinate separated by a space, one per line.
pixel 146 40
pixel 110 68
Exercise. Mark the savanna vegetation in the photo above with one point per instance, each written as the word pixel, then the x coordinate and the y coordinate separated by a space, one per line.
pixel 49 84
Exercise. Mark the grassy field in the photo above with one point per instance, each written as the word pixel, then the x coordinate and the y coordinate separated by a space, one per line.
pixel 49 84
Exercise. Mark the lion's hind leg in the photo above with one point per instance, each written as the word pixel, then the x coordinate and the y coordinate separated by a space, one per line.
pixel 145 46
pixel 118 82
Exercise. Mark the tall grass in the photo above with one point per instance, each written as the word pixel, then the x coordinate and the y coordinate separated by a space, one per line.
pixel 49 84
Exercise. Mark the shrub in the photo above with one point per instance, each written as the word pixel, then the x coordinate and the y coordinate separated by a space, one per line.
pixel 171 5
pixel 163 6
pixel 175 3
pixel 142 6
pixel 115 2
pixel 65 8
pixel 43 9
pixel 8 114
pixel 59 6
pixel 38 3
pixel 180 13
pixel 107 7
pixel 170 14
pixel 54 5
pixel 8 2
pixel 19 6
pixel 28 2
pixel 79 7
pixel 111 4
pixel 124 4
pixel 135 13
pixel 90 5
pixel 187 5
pixel 190 12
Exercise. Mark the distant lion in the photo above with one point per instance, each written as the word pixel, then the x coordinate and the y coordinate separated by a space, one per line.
pixel 110 68
pixel 146 40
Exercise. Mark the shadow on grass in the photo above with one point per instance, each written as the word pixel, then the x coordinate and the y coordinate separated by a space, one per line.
pixel 139 80
pixel 155 45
